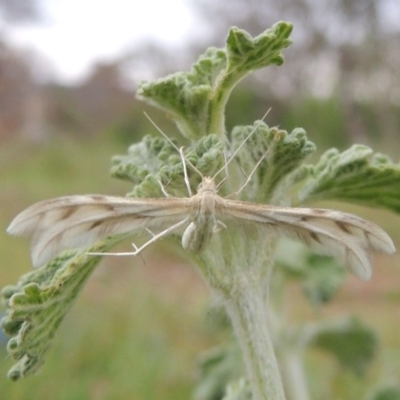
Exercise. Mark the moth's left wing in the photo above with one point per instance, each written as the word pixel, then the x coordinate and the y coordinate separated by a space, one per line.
pixel 80 221
pixel 335 233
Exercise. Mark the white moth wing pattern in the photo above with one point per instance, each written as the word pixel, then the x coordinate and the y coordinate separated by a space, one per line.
pixel 343 235
pixel 82 220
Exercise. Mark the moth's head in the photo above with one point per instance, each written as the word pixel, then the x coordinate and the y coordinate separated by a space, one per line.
pixel 207 185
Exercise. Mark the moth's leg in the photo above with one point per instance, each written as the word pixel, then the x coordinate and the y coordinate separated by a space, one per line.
pixel 239 147
pixel 138 250
pixel 166 194
pixel 149 231
pixel 226 155
pixel 143 260
pixel 158 236
pixel 186 178
pixel 219 226
pixel 252 172
pixel 221 183
pixel 250 175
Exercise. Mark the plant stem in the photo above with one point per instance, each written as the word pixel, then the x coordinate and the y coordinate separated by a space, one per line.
pixel 222 91
pixel 250 322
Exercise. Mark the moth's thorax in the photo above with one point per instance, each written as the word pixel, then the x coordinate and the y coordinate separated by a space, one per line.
pixel 197 235
pixel 203 203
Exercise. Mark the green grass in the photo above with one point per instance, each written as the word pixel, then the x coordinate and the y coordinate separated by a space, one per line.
pixel 122 340
pixel 30 173
pixel 138 328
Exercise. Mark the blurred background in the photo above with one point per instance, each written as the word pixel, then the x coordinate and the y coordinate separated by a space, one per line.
pixel 68 74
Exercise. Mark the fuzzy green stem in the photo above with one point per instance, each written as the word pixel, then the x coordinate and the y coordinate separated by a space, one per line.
pixel 250 322
pixel 222 91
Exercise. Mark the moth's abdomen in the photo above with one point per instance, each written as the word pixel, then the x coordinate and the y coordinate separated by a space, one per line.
pixel 196 238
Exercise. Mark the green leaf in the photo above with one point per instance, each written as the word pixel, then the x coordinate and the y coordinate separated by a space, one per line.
pixel 325 276
pixel 142 165
pixel 196 99
pixel 283 152
pixel 246 54
pixel 155 160
pixel 218 367
pixel 355 175
pixel 143 159
pixel 38 303
pixel 351 343
pixel 321 276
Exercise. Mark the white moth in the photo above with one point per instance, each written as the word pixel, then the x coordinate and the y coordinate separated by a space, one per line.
pixel 80 221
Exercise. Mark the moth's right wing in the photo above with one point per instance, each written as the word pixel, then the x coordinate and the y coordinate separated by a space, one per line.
pixel 80 221
pixel 331 232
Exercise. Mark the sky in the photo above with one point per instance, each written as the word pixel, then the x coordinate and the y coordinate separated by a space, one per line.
pixel 74 33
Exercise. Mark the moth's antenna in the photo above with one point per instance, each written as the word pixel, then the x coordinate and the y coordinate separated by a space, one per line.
pixel 186 178
pixel 184 159
pixel 262 158
pixel 250 175
pixel 241 145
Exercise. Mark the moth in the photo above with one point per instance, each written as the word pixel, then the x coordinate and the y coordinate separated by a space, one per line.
pixel 82 220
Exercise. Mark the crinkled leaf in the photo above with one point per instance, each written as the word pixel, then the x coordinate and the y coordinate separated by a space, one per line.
pixel 143 159
pixel 283 152
pixel 38 303
pixel 154 160
pixel 246 54
pixel 186 95
pixel 196 99
pixel 354 345
pixel 356 175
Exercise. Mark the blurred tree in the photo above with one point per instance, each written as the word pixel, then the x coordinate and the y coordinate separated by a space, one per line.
pixel 151 59
pixel 102 97
pixel 19 10
pixel 92 106
pixel 344 48
pixel 21 100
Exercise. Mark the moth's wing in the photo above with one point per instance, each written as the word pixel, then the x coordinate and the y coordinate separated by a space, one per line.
pixel 80 221
pixel 343 235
